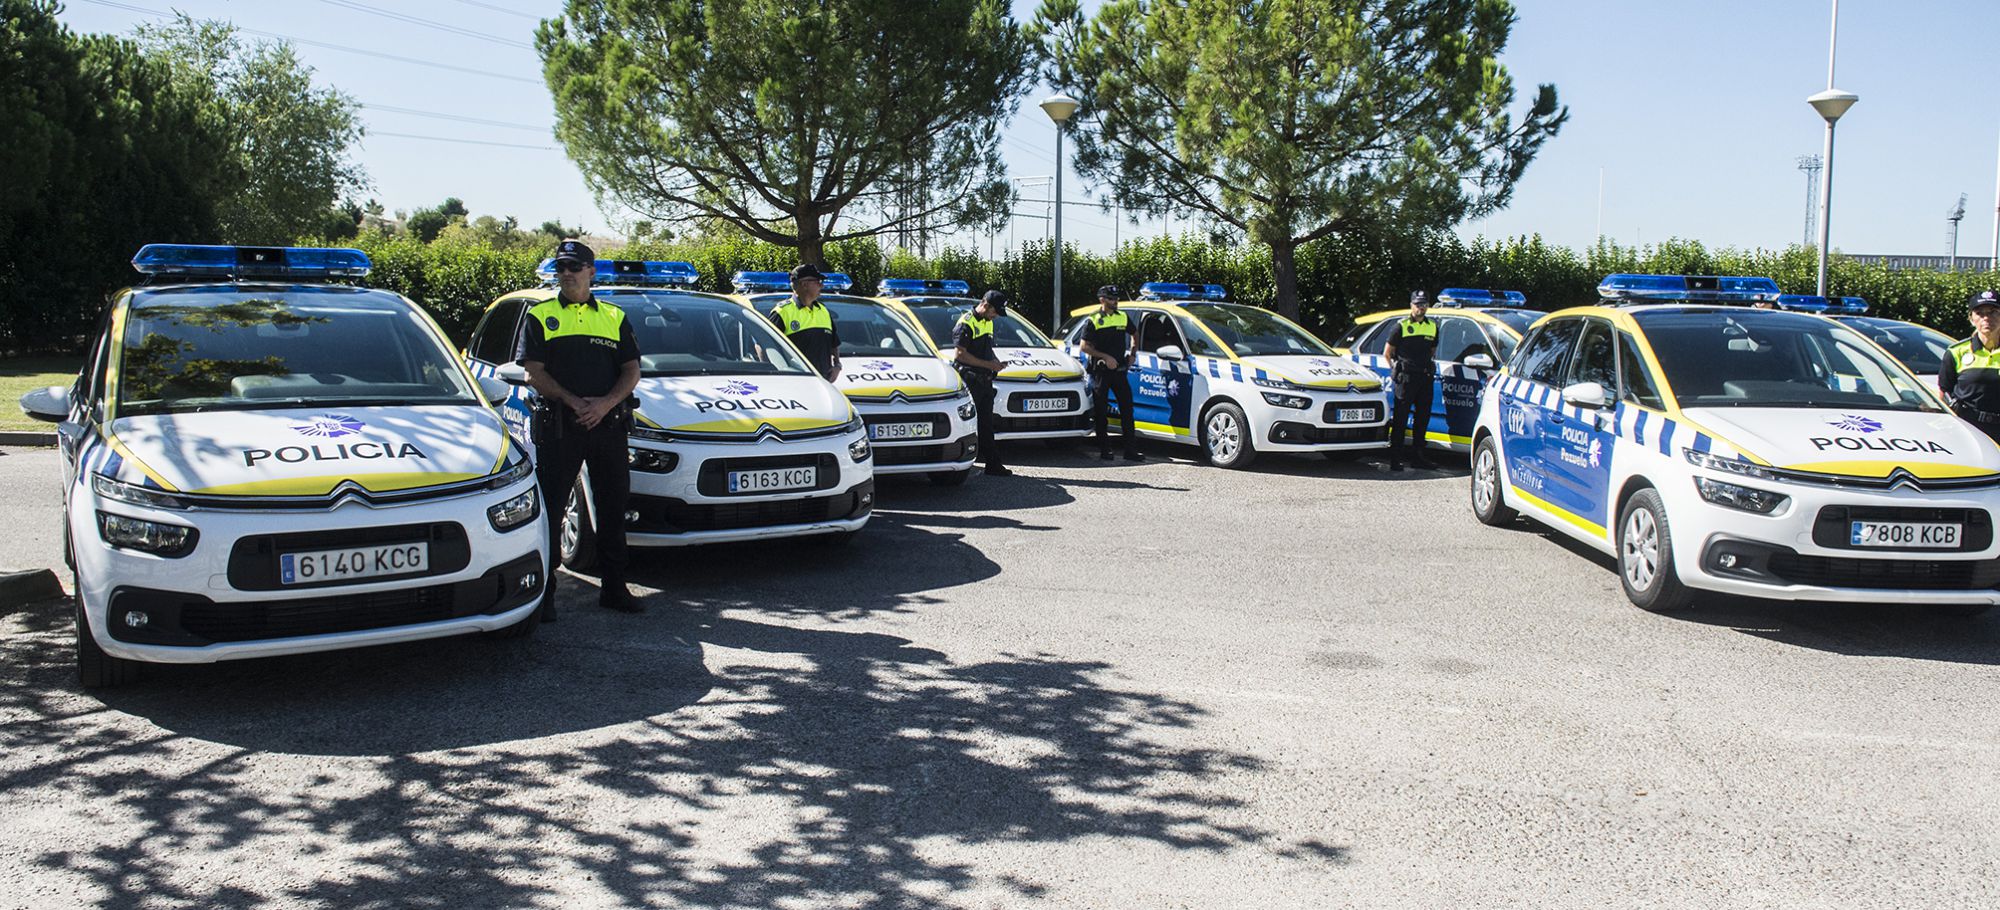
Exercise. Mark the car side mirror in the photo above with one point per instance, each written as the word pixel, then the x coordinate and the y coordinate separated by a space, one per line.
pixel 1171 352
pixel 512 374
pixel 497 390
pixel 1479 361
pixel 50 403
pixel 1586 395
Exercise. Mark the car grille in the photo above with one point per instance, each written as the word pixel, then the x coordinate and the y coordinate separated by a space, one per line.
pixel 253 560
pixel 1833 526
pixel 666 515
pixel 1005 424
pixel 1290 433
pixel 887 456
pixel 1886 574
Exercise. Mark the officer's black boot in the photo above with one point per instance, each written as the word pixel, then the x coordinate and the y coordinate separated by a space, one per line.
pixel 547 613
pixel 1423 463
pixel 613 595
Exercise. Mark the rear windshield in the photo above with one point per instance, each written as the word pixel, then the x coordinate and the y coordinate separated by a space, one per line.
pixel 241 347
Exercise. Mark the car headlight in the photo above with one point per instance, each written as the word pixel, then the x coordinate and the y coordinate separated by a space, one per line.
pixel 156 537
pixel 638 432
pixel 1729 465
pixel 1276 399
pixel 651 461
pixel 136 495
pixel 512 474
pixel 1734 496
pixel 516 511
pixel 968 409
pixel 1273 382
pixel 858 450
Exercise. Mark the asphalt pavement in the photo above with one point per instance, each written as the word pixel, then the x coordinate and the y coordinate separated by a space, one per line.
pixel 1310 684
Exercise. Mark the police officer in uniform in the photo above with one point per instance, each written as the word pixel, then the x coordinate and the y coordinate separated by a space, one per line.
pixel 1108 342
pixel 972 341
pixel 1970 376
pixel 583 360
pixel 808 323
pixel 1413 373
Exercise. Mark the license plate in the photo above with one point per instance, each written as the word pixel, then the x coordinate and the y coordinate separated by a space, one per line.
pixel 1353 415
pixel 1044 404
pixel 919 430
pixel 1907 534
pixel 778 479
pixel 353 562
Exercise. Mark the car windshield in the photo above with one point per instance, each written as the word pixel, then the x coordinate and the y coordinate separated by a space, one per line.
pixel 873 330
pixel 1769 359
pixel 681 333
pixel 240 347
pixel 1251 332
pixel 940 314
pixel 1919 348
pixel 1518 320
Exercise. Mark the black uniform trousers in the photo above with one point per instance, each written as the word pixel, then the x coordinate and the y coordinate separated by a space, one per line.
pixel 980 384
pixel 1413 399
pixel 1106 383
pixel 1990 427
pixel 557 462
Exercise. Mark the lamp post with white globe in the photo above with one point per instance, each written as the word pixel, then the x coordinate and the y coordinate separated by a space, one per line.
pixel 1059 107
pixel 1830 104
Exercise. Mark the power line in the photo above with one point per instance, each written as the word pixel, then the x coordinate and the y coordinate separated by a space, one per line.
pixel 436 115
pixel 507 145
pixel 501 9
pixel 428 23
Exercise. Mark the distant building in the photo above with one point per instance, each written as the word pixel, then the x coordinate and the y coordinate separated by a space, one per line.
pixel 1933 263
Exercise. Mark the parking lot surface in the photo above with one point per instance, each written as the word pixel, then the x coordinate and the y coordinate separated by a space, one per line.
pixel 1310 684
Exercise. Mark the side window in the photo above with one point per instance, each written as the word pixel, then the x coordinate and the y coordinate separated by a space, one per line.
pixel 493 340
pixel 1638 381
pixel 1595 359
pixel 1155 332
pixel 1459 337
pixel 1198 341
pixel 1073 333
pixel 1542 357
pixel 89 387
pixel 1347 339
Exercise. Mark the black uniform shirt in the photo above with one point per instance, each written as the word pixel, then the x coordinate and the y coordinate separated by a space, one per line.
pixel 1970 376
pixel 585 363
pixel 812 329
pixel 1414 353
pixel 1113 340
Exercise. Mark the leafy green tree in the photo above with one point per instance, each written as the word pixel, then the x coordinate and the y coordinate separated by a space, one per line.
pixel 427 224
pixel 290 141
pixel 801 124
pixel 1294 120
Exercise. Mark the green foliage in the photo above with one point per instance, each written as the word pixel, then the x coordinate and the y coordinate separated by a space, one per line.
pixel 800 124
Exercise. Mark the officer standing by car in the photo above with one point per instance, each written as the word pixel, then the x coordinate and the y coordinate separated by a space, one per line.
pixel 1970 375
pixel 1108 342
pixel 808 323
pixel 581 357
pixel 1413 374
pixel 972 343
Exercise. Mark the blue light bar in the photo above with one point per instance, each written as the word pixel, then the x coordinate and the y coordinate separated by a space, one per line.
pixel 1168 290
pixel 835 281
pixel 1687 289
pixel 633 271
pixel 1480 297
pixel 1846 306
pixel 760 282
pixel 245 261
pixel 918 287
pixel 1803 303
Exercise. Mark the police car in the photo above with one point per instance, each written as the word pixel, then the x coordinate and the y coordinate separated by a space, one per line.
pixel 919 414
pixel 258 461
pixel 1921 348
pixel 1238 380
pixel 1477 332
pixel 1716 447
pixel 735 437
pixel 1042 394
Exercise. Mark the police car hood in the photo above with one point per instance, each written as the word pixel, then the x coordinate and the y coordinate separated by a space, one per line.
pixel 1853 443
pixel 882 377
pixel 1038 363
pixel 741 405
pixel 307 451
pixel 1313 371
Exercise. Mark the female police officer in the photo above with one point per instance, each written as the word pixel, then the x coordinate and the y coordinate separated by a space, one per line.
pixel 1970 376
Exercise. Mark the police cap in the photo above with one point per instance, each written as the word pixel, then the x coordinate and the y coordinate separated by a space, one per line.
pixel 574 251
pixel 1422 297
pixel 995 298
pixel 1109 292
pixel 807 271
pixel 1983 298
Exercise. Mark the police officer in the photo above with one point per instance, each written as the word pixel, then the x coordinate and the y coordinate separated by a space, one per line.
pixel 581 357
pixel 808 323
pixel 972 340
pixel 1108 342
pixel 1970 376
pixel 1413 374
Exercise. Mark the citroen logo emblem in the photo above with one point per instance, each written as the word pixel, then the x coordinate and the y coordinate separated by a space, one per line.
pixel 1903 478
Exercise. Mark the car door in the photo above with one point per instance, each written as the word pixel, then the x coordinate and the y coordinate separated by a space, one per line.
pixel 1578 441
pixel 1455 407
pixel 494 342
pixel 1529 401
pixel 1162 389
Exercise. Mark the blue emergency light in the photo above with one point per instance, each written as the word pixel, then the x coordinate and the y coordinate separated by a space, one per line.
pixel 835 281
pixel 156 259
pixel 1170 290
pixel 780 282
pixel 1687 289
pixel 1846 306
pixel 633 271
pixel 920 287
pixel 1804 303
pixel 1480 297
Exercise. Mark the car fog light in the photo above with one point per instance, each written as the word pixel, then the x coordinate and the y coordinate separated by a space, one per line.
pixel 858 450
pixel 515 512
pixel 137 619
pixel 631 516
pixel 528 582
pixel 1726 560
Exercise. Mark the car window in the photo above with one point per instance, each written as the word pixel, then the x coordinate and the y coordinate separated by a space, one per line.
pixel 681 333
pixel 1639 385
pixel 1198 340
pixel 1459 337
pixel 1348 338
pixel 1504 342
pixel 494 340
pixel 872 330
pixel 1252 332
pixel 1155 332
pixel 1595 359
pixel 1377 339
pixel 1543 356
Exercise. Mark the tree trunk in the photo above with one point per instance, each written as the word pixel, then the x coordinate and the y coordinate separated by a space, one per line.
pixel 1285 270
pixel 812 243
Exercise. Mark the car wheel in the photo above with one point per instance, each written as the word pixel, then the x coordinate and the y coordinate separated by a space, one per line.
pixel 1646 556
pixel 578 542
pixel 94 668
pixel 1225 437
pixel 950 478
pixel 1489 505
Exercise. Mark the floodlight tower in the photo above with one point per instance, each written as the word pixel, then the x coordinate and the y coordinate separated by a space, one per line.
pixel 1811 164
pixel 1953 217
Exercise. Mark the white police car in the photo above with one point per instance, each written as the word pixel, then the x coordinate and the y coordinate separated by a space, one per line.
pixel 1041 395
pixel 1477 331
pixel 1748 451
pixel 1238 380
pixel 1920 348
pixel 259 462
pixel 919 414
pixel 736 437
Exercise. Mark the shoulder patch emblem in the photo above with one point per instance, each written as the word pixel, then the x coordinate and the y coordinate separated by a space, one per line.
pixel 551 322
pixel 795 325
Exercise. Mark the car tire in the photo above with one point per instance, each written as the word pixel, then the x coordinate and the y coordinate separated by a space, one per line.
pixel 94 668
pixel 1225 437
pixel 577 540
pixel 1646 556
pixel 1489 499
pixel 951 478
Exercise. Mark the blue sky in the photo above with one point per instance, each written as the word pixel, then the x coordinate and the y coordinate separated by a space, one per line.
pixel 1693 110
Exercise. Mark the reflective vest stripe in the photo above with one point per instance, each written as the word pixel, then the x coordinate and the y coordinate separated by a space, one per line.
pixel 600 320
pixel 1426 329
pixel 1109 321
pixel 980 327
pixel 793 318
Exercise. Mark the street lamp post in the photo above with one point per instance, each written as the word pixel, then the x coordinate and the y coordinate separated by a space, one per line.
pixel 1059 107
pixel 1830 104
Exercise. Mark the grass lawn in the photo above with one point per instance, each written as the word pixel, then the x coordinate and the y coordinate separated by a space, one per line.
pixel 23 374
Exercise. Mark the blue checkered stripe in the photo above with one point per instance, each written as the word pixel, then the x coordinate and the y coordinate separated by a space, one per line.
pixel 99 457
pixel 516 405
pixel 1444 370
pixel 1635 425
